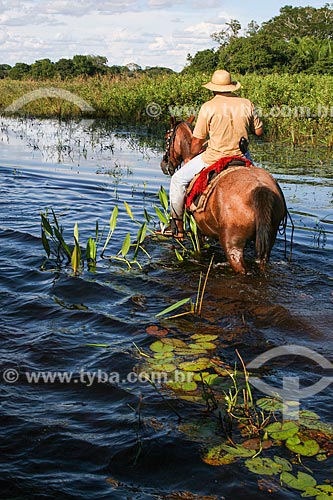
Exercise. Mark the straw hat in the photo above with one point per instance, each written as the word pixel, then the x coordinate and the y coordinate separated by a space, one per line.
pixel 221 82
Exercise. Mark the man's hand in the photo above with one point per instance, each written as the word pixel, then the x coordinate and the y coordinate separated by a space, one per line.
pixel 196 146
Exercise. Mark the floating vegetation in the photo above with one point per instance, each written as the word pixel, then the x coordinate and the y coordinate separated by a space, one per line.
pixel 235 427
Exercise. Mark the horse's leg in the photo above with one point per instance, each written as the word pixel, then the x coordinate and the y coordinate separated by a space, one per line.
pixel 233 248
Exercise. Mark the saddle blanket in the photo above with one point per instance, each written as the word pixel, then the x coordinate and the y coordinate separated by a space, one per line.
pixel 203 183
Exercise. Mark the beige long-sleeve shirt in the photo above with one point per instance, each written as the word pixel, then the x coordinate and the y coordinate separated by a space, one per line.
pixel 225 119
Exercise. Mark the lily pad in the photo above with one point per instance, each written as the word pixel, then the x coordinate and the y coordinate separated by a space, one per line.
pixel 293 440
pixel 159 346
pixel 307 448
pixel 321 492
pixel 269 404
pixel 282 431
pixel 156 331
pixel 219 455
pixel 166 367
pixel 210 378
pixel 190 352
pixel 310 492
pixel 285 464
pixel 182 386
pixel 238 450
pixel 195 366
pixel 203 337
pixel 257 444
pixel 163 356
pixel 263 466
pixel 301 482
pixel 202 345
pixel 308 415
pixel 206 377
pixel 176 343
pixel 219 460
pixel 326 492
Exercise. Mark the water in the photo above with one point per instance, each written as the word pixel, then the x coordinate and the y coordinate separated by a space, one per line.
pixel 93 438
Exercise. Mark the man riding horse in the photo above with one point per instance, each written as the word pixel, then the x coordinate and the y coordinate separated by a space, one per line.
pixel 226 119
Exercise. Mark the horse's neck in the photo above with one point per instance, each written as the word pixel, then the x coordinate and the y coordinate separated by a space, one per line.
pixel 185 143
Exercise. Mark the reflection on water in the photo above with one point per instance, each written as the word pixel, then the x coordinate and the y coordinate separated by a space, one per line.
pixel 118 439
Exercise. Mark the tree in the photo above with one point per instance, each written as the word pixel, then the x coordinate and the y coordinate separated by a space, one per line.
pixel 303 21
pixel 4 70
pixel 225 36
pixel 204 60
pixel 89 65
pixel 252 28
pixel 133 67
pixel 42 69
pixel 99 63
pixel 157 71
pixel 298 39
pixel 65 68
pixel 19 71
pixel 312 54
pixel 257 53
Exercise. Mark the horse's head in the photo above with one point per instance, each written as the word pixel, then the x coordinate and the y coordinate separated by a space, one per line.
pixel 177 144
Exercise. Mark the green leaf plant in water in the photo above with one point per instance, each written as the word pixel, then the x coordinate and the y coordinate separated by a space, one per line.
pixel 61 252
pixel 53 240
pixel 235 426
pixel 163 213
pixel 76 253
pixel 57 249
pixel 195 307
pixel 190 226
pixel 112 224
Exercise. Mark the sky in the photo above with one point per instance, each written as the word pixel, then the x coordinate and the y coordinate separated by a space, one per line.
pixel 144 32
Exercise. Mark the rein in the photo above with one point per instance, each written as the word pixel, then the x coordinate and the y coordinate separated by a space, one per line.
pixel 170 141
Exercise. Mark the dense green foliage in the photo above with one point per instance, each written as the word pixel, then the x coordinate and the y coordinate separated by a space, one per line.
pixel 296 108
pixel 299 39
pixel 79 65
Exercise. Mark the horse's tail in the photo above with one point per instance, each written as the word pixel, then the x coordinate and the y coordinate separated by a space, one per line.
pixel 264 203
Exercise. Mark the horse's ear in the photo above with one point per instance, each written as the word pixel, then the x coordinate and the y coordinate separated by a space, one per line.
pixel 190 119
pixel 173 121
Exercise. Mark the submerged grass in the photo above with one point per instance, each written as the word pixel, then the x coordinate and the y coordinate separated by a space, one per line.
pixel 295 108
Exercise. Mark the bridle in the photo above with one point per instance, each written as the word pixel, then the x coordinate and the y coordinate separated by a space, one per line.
pixel 170 138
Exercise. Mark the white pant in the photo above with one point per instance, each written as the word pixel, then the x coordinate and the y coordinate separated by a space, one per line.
pixel 179 182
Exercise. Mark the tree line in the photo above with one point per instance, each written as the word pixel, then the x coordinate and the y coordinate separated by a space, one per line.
pixel 299 39
pixel 78 66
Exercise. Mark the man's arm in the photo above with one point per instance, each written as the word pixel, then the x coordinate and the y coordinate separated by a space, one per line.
pixel 196 147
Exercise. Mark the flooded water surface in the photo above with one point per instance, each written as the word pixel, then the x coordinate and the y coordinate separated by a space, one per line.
pixel 76 423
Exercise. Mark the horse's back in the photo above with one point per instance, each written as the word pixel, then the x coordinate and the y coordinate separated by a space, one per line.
pixel 233 198
pixel 244 180
pixel 246 204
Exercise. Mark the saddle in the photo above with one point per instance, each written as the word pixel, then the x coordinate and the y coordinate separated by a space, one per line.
pixel 203 183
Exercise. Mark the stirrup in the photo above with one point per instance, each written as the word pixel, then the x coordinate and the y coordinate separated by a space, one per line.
pixel 171 231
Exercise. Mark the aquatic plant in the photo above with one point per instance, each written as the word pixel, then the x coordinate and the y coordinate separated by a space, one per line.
pixel 59 251
pixel 195 306
pixel 295 108
pixel 238 427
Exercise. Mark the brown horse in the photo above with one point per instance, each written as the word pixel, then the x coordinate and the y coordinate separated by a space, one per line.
pixel 246 203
